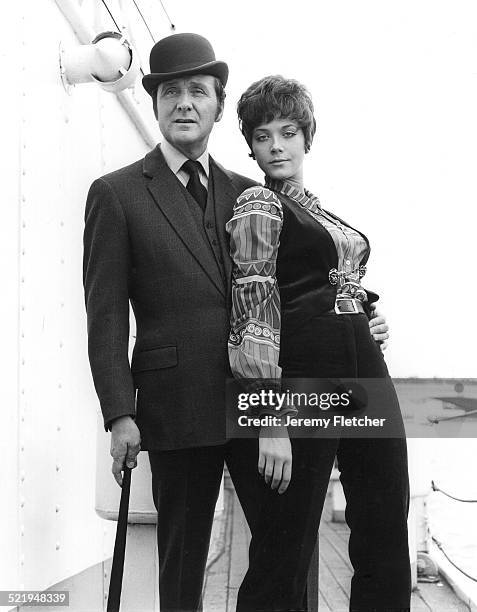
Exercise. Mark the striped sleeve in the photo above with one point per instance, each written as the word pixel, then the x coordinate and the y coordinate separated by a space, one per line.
pixel 254 341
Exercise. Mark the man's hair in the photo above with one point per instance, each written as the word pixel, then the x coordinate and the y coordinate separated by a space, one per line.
pixel 275 97
pixel 219 92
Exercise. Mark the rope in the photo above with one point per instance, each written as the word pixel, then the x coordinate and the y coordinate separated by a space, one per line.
pixel 145 22
pixel 440 547
pixel 465 501
pixel 111 15
pixel 173 27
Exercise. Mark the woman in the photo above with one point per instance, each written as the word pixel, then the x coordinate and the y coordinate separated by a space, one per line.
pixel 299 310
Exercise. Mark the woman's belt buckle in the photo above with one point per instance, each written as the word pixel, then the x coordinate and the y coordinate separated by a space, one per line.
pixel 348 306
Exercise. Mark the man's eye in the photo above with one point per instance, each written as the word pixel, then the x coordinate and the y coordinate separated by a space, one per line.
pixel 198 91
pixel 170 91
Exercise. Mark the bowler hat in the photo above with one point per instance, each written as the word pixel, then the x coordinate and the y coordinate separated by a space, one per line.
pixel 180 55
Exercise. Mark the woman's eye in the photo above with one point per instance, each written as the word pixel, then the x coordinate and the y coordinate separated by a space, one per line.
pixel 261 138
pixel 290 134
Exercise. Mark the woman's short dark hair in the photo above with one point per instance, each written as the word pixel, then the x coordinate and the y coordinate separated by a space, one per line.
pixel 275 97
pixel 219 92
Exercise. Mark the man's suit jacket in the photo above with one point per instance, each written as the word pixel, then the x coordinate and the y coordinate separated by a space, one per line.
pixel 145 242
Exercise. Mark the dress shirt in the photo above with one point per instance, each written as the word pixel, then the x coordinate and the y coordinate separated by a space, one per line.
pixel 175 159
pixel 350 244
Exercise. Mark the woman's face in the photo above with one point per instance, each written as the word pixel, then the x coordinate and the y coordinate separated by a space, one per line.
pixel 279 148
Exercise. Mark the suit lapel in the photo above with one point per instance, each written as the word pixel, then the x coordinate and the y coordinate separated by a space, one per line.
pixel 170 199
pixel 225 196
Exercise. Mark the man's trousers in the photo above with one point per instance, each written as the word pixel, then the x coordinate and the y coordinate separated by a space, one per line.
pixel 185 485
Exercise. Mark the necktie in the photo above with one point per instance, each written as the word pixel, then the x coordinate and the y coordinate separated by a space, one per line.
pixel 194 186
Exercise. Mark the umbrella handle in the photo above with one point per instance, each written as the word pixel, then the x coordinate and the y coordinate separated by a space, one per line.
pixel 115 584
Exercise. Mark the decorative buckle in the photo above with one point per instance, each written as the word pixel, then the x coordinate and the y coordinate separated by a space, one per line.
pixel 349 301
pixel 333 276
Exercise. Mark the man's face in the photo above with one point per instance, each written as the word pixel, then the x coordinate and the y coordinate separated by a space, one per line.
pixel 187 109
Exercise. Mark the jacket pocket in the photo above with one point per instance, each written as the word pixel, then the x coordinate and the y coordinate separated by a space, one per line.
pixel 154 359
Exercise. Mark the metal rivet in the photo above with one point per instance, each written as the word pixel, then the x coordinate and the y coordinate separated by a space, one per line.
pixel 57 546
pixel 57 509
pixel 22 502
pixel 57 468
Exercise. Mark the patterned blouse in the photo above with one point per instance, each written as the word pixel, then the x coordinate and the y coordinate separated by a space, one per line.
pixel 254 341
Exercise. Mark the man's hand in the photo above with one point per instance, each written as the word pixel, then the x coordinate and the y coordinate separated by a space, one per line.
pixel 275 457
pixel 378 327
pixel 125 445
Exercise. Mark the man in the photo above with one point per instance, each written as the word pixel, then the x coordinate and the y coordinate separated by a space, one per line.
pixel 155 236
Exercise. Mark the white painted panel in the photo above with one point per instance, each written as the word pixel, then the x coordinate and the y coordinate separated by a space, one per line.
pixel 9 273
pixel 63 135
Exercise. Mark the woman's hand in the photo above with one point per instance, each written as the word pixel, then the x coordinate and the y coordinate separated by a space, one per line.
pixel 378 327
pixel 275 457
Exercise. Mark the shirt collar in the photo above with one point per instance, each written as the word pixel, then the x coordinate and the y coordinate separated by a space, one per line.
pixel 307 199
pixel 175 159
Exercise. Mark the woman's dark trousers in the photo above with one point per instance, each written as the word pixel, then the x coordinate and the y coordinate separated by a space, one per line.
pixel 374 478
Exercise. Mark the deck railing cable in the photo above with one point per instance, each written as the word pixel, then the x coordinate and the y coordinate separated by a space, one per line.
pixel 465 501
pixel 439 544
pixel 441 548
